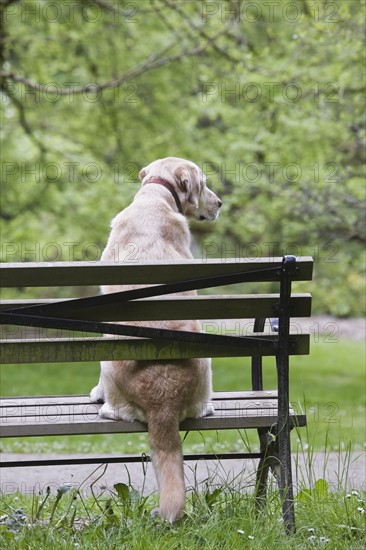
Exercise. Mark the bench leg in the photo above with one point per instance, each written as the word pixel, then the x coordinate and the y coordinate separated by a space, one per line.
pixel 274 458
pixel 284 448
pixel 267 449
pixel 283 424
pixel 285 479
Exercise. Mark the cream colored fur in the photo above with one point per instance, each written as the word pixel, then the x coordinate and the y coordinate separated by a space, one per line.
pixel 160 393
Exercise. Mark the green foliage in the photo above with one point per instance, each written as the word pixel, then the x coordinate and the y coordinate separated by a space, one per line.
pixel 269 103
pixel 319 491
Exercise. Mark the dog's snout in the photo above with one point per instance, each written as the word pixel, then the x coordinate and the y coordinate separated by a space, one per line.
pixel 219 203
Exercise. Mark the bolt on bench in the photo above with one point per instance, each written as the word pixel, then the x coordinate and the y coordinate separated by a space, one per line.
pixel 268 411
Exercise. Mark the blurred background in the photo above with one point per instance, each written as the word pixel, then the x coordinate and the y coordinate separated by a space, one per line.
pixel 267 97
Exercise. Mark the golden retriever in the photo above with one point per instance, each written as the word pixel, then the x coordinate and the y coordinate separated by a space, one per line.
pixel 161 393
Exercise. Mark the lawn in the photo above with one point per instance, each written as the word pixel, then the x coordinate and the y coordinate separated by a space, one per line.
pixel 223 518
pixel 329 384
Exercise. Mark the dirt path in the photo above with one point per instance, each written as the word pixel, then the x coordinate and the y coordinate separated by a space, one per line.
pixel 340 470
pixel 343 329
pixel 321 327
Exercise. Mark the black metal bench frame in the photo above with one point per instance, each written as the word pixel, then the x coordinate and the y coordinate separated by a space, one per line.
pixel 275 451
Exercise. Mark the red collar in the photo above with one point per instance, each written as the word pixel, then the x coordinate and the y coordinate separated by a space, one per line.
pixel 170 188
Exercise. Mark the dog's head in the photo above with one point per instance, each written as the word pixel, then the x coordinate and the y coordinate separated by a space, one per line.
pixel 189 183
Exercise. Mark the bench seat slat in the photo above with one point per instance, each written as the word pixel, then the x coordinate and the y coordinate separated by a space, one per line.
pixel 188 307
pixel 109 427
pixel 97 349
pixel 51 411
pixel 93 425
pixel 84 399
pixel 38 416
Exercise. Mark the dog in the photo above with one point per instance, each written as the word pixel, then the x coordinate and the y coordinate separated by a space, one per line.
pixel 161 393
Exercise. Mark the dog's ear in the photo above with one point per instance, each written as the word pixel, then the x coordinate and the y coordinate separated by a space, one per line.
pixel 188 184
pixel 142 174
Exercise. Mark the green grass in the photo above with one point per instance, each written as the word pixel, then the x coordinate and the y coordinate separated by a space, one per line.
pixel 329 384
pixel 223 518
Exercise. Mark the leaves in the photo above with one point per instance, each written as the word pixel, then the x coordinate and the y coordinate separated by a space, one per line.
pixel 212 498
pixel 123 491
pixel 271 107
pixel 318 492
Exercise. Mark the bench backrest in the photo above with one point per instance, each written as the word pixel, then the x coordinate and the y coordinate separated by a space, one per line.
pixel 89 347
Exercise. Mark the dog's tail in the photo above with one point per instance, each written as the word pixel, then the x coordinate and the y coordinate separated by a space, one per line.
pixel 167 459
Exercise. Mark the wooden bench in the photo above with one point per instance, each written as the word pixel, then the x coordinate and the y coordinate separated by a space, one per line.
pixel 266 410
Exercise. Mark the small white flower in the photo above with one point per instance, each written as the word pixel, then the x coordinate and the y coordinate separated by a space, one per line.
pixel 250 537
pixel 312 538
pixel 64 488
pixel 295 36
pixel 361 510
pixel 348 495
pixel 355 493
pixel 324 539
pixel 240 531
pixel 311 530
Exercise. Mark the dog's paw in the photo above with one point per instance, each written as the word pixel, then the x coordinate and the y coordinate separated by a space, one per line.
pixel 115 413
pixel 96 395
pixel 207 409
pixel 106 411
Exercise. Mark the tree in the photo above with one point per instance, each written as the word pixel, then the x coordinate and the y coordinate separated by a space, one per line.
pixel 267 97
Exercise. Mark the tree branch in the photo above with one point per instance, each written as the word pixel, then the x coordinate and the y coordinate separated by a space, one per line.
pixel 191 26
pixel 23 120
pixel 109 7
pixel 153 62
